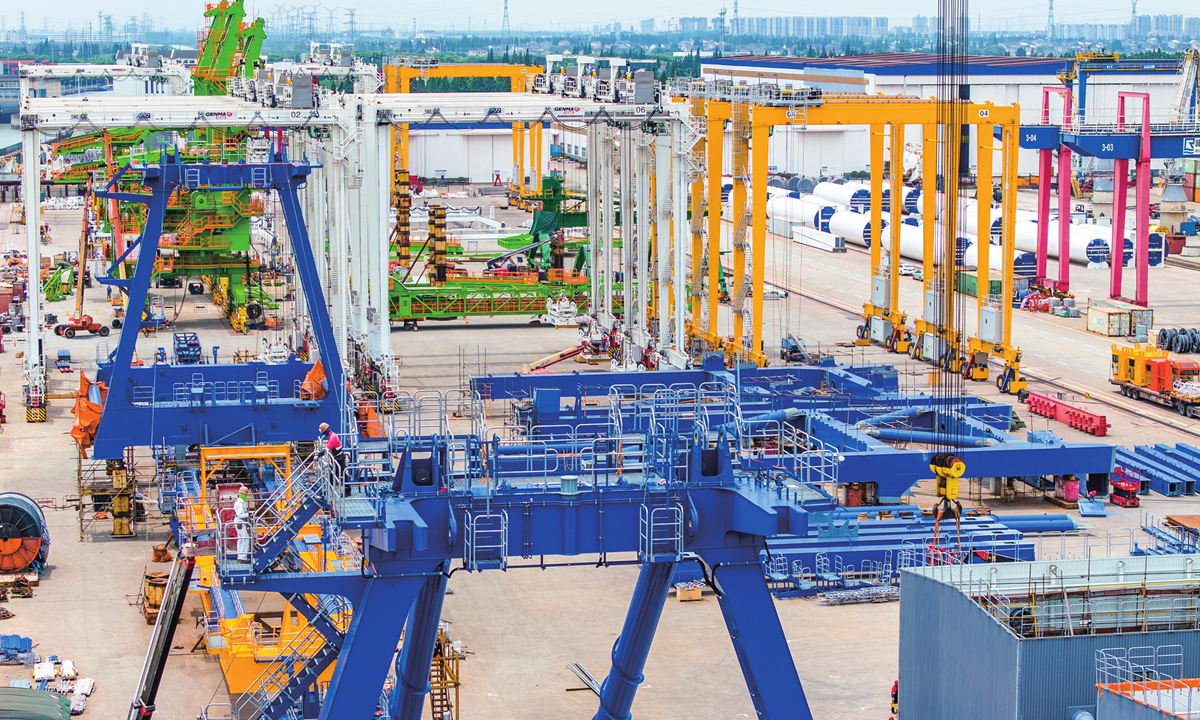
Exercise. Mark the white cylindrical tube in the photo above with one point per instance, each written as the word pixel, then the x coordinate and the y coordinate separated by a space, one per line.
pixel 853 195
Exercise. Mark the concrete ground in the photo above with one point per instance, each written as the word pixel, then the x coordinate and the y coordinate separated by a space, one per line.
pixel 521 628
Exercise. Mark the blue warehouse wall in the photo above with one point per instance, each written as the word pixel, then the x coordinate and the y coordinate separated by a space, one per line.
pixel 1060 672
pixel 956 662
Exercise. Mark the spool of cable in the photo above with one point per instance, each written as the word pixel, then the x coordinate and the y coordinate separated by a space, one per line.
pixel 24 537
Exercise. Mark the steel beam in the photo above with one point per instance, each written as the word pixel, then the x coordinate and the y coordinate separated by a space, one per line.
pixel 368 647
pixel 633 645
pixel 412 667
pixel 758 638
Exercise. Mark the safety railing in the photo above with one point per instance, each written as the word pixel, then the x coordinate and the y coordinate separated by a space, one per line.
pixel 279 677
pixel 1050 607
pixel 1149 675
pixel 245 392
pixel 660 533
pixel 485 541
pixel 242 540
pixel 1095 543
pixel 619 458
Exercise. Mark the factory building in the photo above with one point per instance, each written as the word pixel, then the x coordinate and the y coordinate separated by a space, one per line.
pixel 1031 639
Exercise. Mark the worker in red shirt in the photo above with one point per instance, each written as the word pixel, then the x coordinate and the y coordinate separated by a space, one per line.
pixel 333 446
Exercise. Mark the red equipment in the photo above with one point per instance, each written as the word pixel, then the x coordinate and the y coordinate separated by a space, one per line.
pixel 1078 418
pixel 79 324
pixel 1126 483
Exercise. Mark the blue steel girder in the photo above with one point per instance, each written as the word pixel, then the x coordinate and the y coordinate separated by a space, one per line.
pixel 725 524
pixel 1041 137
pixel 189 404
pixel 1166 142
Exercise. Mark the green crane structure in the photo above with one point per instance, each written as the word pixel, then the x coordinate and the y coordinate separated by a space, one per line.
pixel 230 47
pixel 206 234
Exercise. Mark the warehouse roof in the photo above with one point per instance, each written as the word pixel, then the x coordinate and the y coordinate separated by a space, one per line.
pixel 900 63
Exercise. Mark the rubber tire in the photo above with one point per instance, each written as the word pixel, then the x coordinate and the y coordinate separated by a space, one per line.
pixel 254 311
pixel 68 333
pixel 58 329
pixel 116 324
pixel 103 331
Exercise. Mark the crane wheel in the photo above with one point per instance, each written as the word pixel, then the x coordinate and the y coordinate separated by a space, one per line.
pixel 103 331
pixel 68 333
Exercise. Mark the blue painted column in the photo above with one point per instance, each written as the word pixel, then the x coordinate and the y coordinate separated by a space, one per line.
pixel 758 638
pixel 412 667
pixel 630 651
pixel 287 180
pixel 368 646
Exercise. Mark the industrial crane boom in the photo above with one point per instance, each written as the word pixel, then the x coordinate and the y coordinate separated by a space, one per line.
pixel 164 632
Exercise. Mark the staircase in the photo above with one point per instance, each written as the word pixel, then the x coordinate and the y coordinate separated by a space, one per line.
pixel 439 693
pixel 281 687
pixel 277 519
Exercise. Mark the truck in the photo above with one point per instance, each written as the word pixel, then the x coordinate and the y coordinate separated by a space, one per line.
pixel 1145 372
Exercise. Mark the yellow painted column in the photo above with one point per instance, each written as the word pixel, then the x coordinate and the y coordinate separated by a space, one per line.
pixel 876 143
pixel 1008 188
pixel 896 176
pixel 985 146
pixel 760 144
pixel 535 155
pixel 716 149
pixel 516 148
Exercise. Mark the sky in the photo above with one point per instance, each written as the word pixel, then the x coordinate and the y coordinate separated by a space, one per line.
pixel 569 15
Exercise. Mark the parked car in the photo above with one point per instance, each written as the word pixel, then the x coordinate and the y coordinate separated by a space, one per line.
pixel 907 270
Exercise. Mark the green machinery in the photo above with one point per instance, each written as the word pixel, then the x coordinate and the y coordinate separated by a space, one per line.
pixel 206 234
pixel 524 294
pixel 230 47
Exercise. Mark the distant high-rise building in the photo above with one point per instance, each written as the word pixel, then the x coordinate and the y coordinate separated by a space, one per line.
pixel 1168 24
pixel 647 26
pixel 693 24
pixel 920 25
pixel 1142 25
pixel 1191 28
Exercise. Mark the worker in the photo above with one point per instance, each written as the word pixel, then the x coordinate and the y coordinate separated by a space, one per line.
pixel 333 446
pixel 241 521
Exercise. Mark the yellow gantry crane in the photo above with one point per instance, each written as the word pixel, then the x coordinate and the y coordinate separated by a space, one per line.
pixel 398 77
pixel 887 117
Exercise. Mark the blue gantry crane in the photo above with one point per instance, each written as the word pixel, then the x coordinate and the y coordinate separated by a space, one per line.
pixel 704 469
pixel 186 404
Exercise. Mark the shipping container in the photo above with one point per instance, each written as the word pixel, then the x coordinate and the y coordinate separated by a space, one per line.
pixel 1191 166
pixel 1108 322
pixel 1138 315
pixel 968 284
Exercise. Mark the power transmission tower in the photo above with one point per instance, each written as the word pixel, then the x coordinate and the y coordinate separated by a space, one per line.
pixel 350 24
pixel 505 28
pixel 737 28
pixel 722 30
pixel 1050 22
pixel 1133 16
